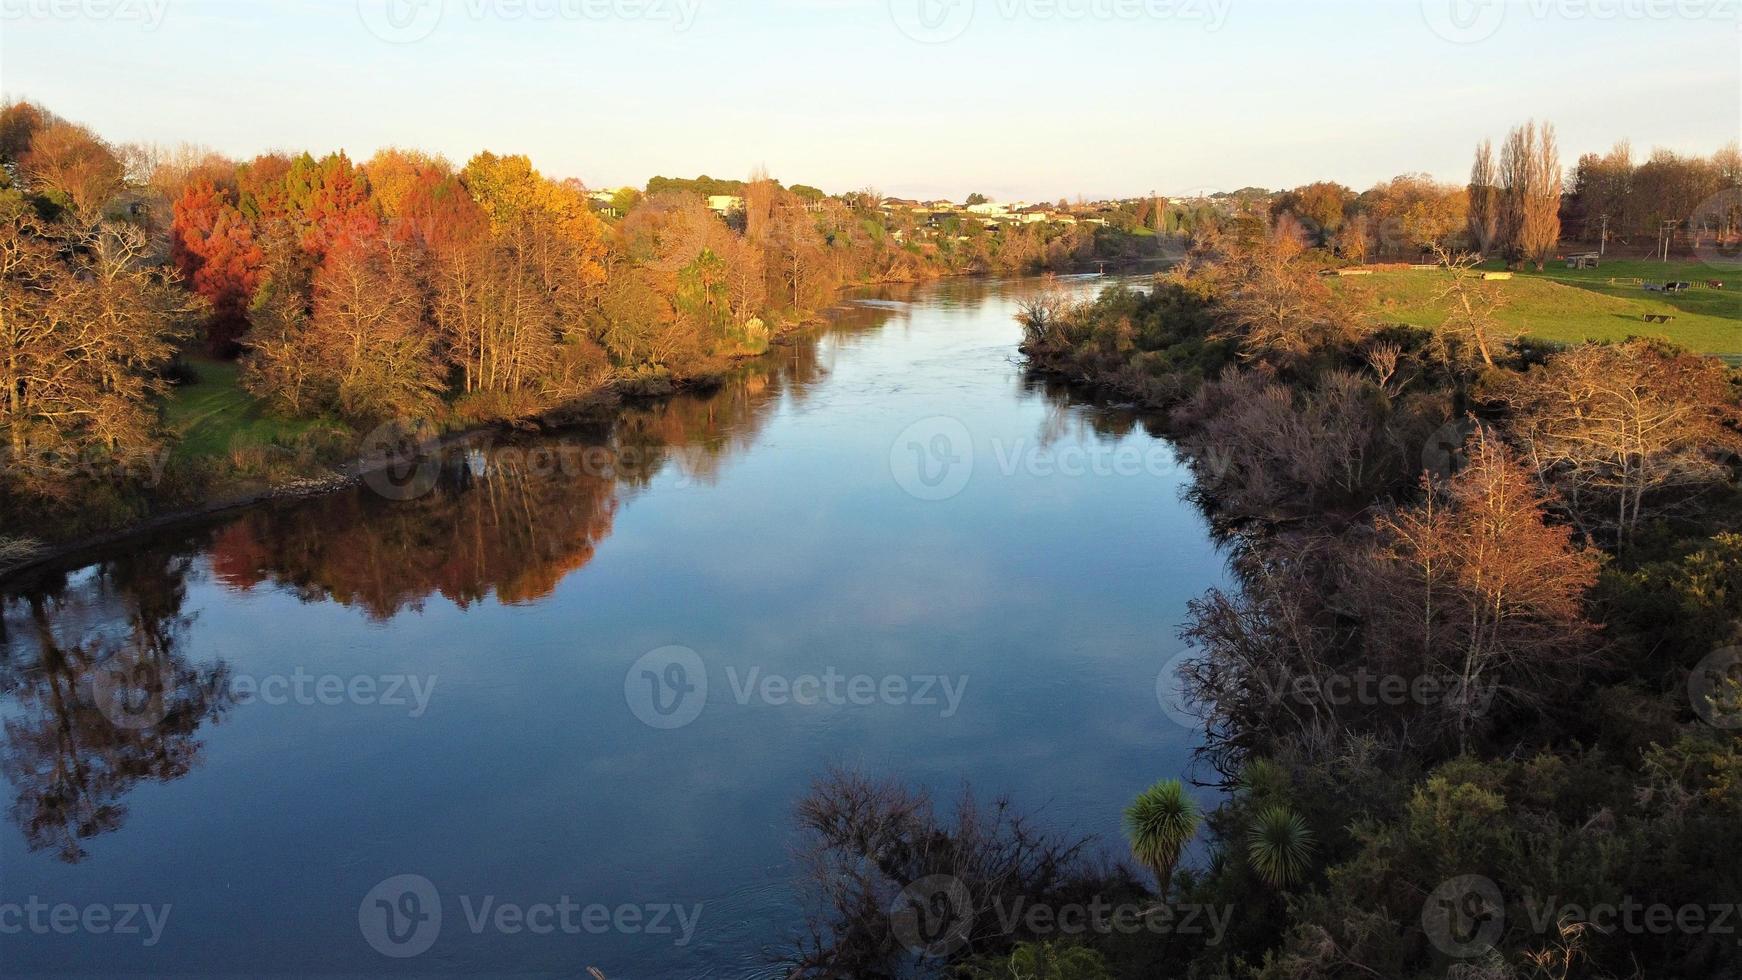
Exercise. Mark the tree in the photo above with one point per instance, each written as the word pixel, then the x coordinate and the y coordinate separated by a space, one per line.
pixel 392 173
pixel 213 246
pixel 1277 306
pixel 74 168
pixel 361 348
pixel 19 123
pixel 1160 823
pixel 1472 584
pixel 1612 426
pixel 329 205
pixel 1484 200
pixel 1471 304
pixel 1530 176
pixel 977 198
pixel 1321 207
pixel 86 327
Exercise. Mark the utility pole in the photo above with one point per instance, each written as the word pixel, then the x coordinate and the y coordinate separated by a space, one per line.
pixel 1603 242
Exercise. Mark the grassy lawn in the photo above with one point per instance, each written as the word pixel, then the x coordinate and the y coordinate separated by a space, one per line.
pixel 214 415
pixel 1572 305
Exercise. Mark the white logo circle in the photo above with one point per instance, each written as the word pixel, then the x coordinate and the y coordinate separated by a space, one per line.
pixel 667 688
pixel 401 917
pixel 933 459
pixel 932 21
pixel 1464 917
pixel 1713 688
pixel 1716 253
pixel 1170 693
pixel 933 916
pixel 1444 454
pixel 401 21
pixel 129 693
pixel 398 465
pixel 1464 21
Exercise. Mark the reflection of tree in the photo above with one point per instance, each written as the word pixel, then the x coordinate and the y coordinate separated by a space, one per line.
pixel 512 520
pixel 71 649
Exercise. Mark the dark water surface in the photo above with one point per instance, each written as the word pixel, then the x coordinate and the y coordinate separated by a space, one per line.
pixel 492 686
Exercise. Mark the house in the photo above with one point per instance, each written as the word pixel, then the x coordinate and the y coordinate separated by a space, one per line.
pixel 725 203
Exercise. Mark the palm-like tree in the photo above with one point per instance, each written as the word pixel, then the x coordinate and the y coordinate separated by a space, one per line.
pixel 1280 846
pixel 1160 823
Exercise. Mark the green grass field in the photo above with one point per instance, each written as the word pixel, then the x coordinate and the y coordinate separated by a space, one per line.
pixel 1573 305
pixel 214 415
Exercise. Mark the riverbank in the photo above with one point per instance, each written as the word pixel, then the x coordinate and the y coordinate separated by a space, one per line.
pixel 22 555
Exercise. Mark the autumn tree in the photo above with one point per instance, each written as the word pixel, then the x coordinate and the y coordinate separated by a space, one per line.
pixel 213 247
pixel 74 168
pixel 328 203
pixel 19 123
pixel 1473 584
pixel 1276 306
pixel 1320 206
pixel 86 326
pixel 1530 177
pixel 361 347
pixel 392 173
pixel 1616 426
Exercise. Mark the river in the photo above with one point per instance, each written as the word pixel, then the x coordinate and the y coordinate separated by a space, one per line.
pixel 599 670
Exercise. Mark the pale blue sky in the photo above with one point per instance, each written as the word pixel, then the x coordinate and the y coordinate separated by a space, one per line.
pixel 1024 99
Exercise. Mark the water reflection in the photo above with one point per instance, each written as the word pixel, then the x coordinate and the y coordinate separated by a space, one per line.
pixel 98 698
pixel 759 523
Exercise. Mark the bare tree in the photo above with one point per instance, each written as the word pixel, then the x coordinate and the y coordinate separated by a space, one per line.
pixel 1611 425
pixel 1472 304
pixel 1531 178
pixel 1484 200
pixel 1471 584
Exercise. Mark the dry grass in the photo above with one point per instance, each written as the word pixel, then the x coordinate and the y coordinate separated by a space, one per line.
pixel 16 550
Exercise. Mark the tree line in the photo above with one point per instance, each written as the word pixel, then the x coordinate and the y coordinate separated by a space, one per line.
pixel 401 288
pixel 1518 205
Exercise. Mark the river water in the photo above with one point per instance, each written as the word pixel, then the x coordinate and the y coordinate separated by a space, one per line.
pixel 596 673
